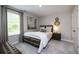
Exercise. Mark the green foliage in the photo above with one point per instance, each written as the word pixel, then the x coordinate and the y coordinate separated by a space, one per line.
pixel 13 23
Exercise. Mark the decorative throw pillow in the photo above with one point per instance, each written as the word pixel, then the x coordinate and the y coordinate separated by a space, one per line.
pixel 43 30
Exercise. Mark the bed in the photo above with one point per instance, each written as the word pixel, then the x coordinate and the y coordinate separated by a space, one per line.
pixel 39 39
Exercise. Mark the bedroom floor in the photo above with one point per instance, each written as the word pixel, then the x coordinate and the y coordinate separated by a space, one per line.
pixel 53 47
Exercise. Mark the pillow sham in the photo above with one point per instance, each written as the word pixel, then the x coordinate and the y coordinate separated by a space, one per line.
pixel 48 29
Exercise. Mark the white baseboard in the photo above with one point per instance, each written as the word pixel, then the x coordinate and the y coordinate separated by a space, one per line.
pixel 68 40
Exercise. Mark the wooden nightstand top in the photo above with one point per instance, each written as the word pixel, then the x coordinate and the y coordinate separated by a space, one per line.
pixel 56 33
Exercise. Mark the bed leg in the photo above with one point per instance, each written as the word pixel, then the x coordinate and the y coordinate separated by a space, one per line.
pixel 44 47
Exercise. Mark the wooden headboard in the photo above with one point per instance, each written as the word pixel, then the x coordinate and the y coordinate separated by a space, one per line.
pixel 45 26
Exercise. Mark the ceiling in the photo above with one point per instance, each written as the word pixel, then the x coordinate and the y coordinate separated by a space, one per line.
pixel 44 10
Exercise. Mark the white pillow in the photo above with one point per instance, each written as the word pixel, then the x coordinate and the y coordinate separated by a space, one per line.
pixel 48 29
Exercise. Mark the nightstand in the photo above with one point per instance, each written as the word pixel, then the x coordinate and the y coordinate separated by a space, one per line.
pixel 56 36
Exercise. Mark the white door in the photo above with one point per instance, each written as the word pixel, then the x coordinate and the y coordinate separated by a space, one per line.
pixel 75 28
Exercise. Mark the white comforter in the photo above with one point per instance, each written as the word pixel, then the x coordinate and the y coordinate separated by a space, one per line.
pixel 39 35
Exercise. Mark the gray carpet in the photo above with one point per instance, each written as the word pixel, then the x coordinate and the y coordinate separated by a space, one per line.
pixel 53 47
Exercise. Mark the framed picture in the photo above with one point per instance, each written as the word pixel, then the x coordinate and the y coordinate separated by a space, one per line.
pixel 31 22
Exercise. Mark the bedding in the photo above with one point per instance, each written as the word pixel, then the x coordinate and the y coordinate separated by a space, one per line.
pixel 44 37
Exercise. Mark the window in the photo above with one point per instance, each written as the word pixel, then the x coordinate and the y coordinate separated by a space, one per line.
pixel 13 21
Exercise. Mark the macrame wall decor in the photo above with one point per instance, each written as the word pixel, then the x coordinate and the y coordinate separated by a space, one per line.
pixel 57 22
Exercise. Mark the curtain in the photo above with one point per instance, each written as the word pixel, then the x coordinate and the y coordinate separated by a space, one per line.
pixel 4 24
pixel 21 27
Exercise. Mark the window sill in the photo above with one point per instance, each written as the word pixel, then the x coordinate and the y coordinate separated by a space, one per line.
pixel 14 35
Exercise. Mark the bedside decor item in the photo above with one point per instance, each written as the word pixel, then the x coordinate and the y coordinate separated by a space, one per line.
pixel 57 34
pixel 56 24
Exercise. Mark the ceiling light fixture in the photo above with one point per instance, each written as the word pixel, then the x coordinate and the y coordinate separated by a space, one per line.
pixel 40 5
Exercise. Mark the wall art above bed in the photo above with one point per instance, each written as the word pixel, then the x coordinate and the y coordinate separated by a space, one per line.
pixel 31 22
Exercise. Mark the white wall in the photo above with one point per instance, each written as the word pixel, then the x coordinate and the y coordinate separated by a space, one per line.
pixel 25 21
pixel 65 24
